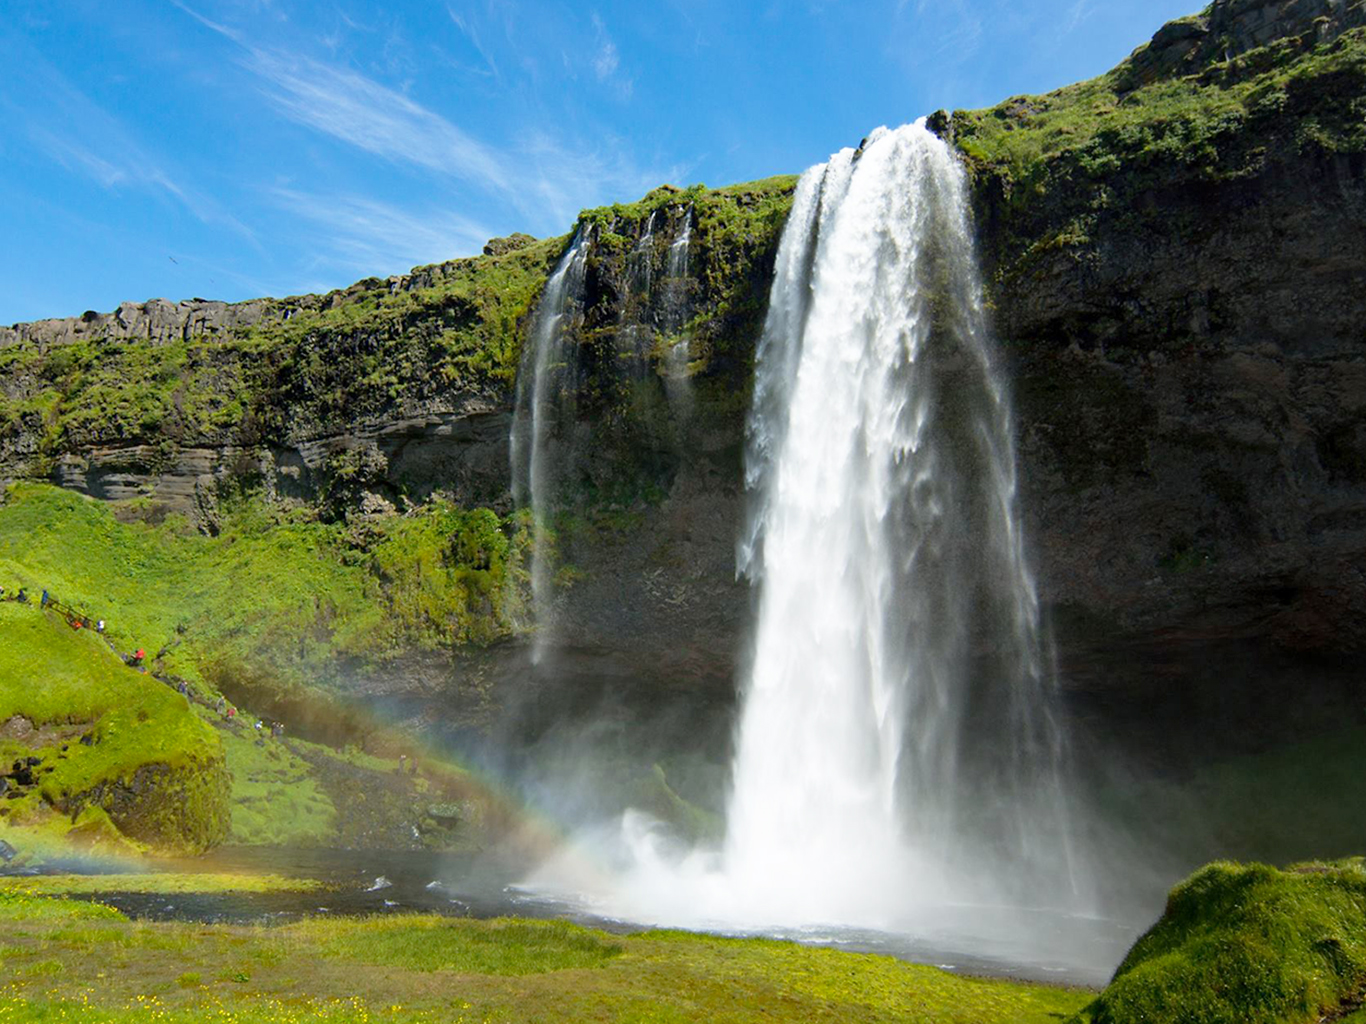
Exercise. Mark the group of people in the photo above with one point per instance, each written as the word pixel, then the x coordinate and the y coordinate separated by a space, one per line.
pixel 229 713
pixel 136 660
pixel 73 619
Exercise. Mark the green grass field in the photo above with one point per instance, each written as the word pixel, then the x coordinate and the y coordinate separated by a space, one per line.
pixel 265 605
pixel 71 961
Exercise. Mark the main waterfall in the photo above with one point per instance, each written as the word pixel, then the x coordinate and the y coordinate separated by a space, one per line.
pixel 896 732
pixel 897 752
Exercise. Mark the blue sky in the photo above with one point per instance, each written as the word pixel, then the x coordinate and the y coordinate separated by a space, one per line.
pixel 235 148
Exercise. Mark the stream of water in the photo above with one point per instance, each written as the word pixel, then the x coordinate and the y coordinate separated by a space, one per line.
pixel 898 767
pixel 545 393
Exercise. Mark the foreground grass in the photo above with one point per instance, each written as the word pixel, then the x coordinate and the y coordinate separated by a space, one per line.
pixel 152 882
pixel 78 962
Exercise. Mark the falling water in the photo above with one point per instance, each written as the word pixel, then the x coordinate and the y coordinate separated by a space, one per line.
pixel 896 752
pixel 675 315
pixel 545 394
pixel 896 734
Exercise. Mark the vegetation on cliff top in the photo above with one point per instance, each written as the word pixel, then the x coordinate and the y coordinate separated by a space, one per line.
pixel 315 363
pixel 311 360
pixel 1100 147
pixel 1248 944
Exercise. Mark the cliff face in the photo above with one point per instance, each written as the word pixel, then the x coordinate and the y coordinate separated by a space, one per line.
pixel 1176 253
pixel 1179 266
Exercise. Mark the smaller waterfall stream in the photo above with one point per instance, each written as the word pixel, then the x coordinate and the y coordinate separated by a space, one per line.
pixel 674 320
pixel 545 394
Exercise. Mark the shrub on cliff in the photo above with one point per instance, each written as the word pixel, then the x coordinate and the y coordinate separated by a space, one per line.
pixel 1248 944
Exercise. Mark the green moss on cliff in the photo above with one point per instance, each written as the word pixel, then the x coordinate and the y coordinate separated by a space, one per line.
pixel 1248 944
pixel 1103 149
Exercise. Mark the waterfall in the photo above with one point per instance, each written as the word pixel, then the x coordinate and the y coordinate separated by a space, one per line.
pixel 897 760
pixel 545 395
pixel 896 734
pixel 673 319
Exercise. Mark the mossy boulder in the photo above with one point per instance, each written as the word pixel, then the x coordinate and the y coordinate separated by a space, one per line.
pixel 1248 944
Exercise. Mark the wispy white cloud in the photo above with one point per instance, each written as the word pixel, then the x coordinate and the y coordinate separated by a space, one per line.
pixel 540 172
pixel 606 60
pixel 471 32
pixel 75 157
pixel 1079 12
pixel 359 111
pixel 369 236
pixel 949 27
pixel 82 137
pixel 564 178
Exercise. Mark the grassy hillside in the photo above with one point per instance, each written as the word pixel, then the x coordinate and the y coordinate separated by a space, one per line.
pixel 112 743
pixel 279 597
pixel 265 610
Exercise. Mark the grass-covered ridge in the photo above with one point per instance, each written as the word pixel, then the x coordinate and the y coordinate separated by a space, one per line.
pixel 1248 944
pixel 408 969
pixel 308 361
pixel 279 596
pixel 441 336
pixel 114 748
pixel 1051 169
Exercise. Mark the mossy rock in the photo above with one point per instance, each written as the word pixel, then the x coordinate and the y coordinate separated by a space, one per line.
pixel 1248 944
